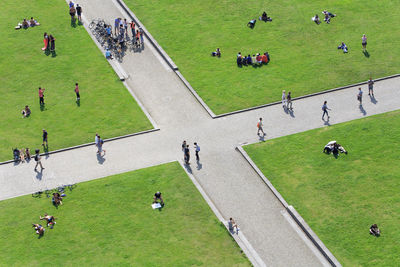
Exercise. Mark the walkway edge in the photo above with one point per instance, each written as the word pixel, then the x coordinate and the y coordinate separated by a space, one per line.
pixel 88 144
pixel 240 239
pixel 295 215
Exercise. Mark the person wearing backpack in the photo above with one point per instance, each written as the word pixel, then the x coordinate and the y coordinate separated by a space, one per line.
pixel 260 127
pixel 38 160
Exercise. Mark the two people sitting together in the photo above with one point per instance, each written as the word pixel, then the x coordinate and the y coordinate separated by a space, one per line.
pixel 327 16
pixel 26 24
pixel 334 147
pixel 257 59
pixel 26 112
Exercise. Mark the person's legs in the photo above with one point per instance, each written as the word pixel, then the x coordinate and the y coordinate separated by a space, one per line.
pixel 37 163
pixel 197 156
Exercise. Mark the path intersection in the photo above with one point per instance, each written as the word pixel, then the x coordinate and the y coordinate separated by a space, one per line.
pixel 226 177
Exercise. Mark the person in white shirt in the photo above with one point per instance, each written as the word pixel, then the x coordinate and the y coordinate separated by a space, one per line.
pixel 197 149
pixel 260 127
pixel 364 43
pixel 359 95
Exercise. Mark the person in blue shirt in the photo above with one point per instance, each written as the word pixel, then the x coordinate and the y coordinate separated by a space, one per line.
pixel 108 30
pixel 108 54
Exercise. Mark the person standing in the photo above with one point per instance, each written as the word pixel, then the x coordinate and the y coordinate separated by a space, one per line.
pixel 116 25
pixel 52 43
pixel 126 28
pixel 359 95
pixel 44 136
pixel 72 12
pixel 141 35
pixel 289 101
pixel 79 12
pixel 197 149
pixel 371 86
pixel 132 26
pixel 325 110
pixel 41 96
pixel 183 145
pixel 260 127
pixel 187 154
pixel 364 43
pixel 96 142
pixel 38 160
pixel 283 98
pixel 78 97
pixel 100 146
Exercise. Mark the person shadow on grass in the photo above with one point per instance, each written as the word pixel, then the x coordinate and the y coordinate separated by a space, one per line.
pixel 366 54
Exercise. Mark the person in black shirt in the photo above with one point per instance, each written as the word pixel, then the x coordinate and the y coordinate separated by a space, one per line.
pixel 79 12
pixel 45 134
pixel 157 196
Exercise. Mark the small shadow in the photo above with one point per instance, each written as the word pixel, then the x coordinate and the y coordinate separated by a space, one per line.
pixel 39 174
pixel 373 99
pixel 262 137
pixel 366 54
pixel 291 113
pixel 199 165
pixel 46 149
pixel 188 168
pixel 240 66
pixel 47 52
pixel 100 159
pixel 80 23
pixel 78 103
pixel 40 236
pixel 53 53
pixel 362 110
pixel 73 22
pixel 326 122
pixel 285 109
pixel 42 107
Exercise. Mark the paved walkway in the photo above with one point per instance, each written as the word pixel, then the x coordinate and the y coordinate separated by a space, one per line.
pixel 226 177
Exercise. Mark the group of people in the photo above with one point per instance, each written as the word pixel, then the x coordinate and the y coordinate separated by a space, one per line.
pixel 49 42
pixel 327 17
pixel 121 30
pixel 254 60
pixel 334 148
pixel 287 100
pixel 186 152
pixel 50 222
pixel 264 17
pixel 21 154
pixel 75 10
pixel 25 24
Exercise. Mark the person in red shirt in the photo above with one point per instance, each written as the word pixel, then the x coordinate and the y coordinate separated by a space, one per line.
pixel 132 26
pixel 78 97
pixel 264 58
pixel 41 96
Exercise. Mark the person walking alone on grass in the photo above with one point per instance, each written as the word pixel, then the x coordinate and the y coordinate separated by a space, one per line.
pixel 364 43
pixel 370 86
pixel 359 96
pixel 283 98
pixel 289 101
pixel 45 135
pixel 325 110
pixel 260 127
pixel 197 149
pixel 41 96
pixel 78 97
pixel 38 160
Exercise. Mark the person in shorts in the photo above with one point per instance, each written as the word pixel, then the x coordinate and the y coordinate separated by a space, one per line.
pixel 359 95
pixel 41 96
pixel 38 160
pixel 79 12
pixel 364 43
pixel 370 86
pixel 260 127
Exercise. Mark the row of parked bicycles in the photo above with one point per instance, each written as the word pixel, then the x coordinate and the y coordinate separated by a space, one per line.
pixel 116 44
pixel 49 192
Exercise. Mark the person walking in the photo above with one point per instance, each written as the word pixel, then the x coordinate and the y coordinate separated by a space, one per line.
pixel 96 142
pixel 116 25
pixel 289 101
pixel 132 26
pixel 125 23
pixel 325 110
pixel 141 35
pixel 187 154
pixel 100 146
pixel 41 96
pixel 79 12
pixel 38 160
pixel 370 86
pixel 183 145
pixel 197 149
pixel 359 95
pixel 283 99
pixel 45 135
pixel 260 127
pixel 364 43
pixel 78 97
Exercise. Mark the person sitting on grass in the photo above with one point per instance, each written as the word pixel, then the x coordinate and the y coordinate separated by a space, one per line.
pixel 38 228
pixel 25 24
pixel 374 230
pixel 316 19
pixel 51 221
pixel 343 46
pixel 33 22
pixel 266 53
pixel 248 59
pixel 239 59
pixel 329 147
pixel 340 148
pixel 251 23
pixel 26 112
pixel 56 199
pixel 157 196
pixel 259 59
pixel 217 53
pixel 232 225
pixel 264 17
pixel 264 58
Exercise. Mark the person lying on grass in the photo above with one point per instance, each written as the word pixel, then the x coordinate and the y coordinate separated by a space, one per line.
pixel 328 16
pixel 50 220
pixel 316 19
pixel 157 196
pixel 374 230
pixel 26 112
pixel 216 53
pixel 343 46
pixel 38 228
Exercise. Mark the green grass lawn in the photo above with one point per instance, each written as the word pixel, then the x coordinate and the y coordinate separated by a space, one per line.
pixel 106 106
pixel 341 197
pixel 110 222
pixel 304 56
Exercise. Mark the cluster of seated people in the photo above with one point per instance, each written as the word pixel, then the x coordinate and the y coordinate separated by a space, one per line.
pixel 21 154
pixel 374 230
pixel 257 59
pixel 343 46
pixel 327 17
pixel 334 147
pixel 57 199
pixel 25 24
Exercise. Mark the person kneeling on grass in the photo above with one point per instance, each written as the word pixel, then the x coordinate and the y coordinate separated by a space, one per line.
pixel 51 221
pixel 157 196
pixel 374 230
pixel 251 23
pixel 38 228
pixel 343 46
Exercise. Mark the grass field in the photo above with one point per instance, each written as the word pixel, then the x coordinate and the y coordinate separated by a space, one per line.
pixel 106 106
pixel 341 197
pixel 304 56
pixel 109 222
